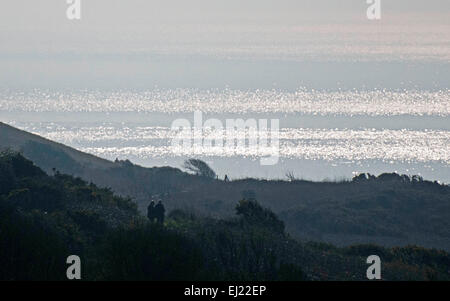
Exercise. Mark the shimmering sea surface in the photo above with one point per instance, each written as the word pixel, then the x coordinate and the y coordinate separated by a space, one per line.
pixel 323 134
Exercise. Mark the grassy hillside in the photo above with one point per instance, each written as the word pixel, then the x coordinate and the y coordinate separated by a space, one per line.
pixel 123 177
pixel 16 139
pixel 44 219
pixel 389 210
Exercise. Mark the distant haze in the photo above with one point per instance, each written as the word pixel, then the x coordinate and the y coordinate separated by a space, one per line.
pixel 216 44
pixel 352 95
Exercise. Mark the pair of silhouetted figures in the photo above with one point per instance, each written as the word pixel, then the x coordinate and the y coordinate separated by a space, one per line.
pixel 156 212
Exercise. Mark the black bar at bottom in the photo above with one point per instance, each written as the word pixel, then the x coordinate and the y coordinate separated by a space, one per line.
pixel 222 290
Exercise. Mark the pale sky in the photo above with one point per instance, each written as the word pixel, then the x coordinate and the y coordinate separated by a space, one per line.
pixel 208 43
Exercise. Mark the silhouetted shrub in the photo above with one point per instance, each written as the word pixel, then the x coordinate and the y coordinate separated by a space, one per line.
pixel 149 252
pixel 253 213
pixel 29 250
pixel 43 219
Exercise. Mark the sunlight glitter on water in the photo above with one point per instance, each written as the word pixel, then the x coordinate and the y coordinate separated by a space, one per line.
pixel 333 133
pixel 353 102
pixel 303 143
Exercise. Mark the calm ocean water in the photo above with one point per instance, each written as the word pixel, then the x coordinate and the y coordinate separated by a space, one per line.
pixel 377 95
pixel 323 135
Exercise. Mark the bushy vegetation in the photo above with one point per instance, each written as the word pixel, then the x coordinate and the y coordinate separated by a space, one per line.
pixel 255 215
pixel 44 219
pixel 388 209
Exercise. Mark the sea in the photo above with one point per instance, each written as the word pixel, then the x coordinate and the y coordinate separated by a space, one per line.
pixel 347 99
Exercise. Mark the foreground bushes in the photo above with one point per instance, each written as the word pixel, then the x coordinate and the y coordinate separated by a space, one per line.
pixel 149 252
pixel 29 249
pixel 44 219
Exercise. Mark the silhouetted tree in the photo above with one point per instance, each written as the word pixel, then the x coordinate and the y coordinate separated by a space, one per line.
pixel 199 168
pixel 291 176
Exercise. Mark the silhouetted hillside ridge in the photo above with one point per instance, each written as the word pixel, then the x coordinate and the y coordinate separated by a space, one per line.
pixel 44 219
pixel 123 177
pixel 388 209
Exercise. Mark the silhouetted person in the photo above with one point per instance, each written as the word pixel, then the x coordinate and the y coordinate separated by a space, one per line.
pixel 159 212
pixel 151 211
pixel 226 178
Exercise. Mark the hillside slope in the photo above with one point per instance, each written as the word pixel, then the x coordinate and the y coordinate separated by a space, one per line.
pixel 16 139
pixel 44 219
pixel 123 177
pixel 390 209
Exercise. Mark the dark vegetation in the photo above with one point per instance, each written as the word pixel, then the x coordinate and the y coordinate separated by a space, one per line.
pixel 199 168
pixel 389 209
pixel 44 219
